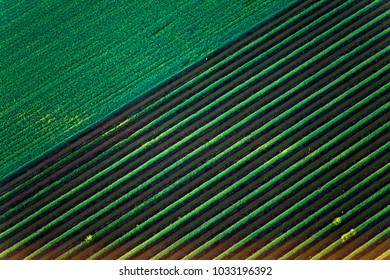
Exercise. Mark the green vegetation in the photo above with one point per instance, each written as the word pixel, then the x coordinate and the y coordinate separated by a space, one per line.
pixel 67 65
pixel 274 148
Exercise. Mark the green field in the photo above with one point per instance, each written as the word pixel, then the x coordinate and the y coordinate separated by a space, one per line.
pixel 65 65
pixel 274 147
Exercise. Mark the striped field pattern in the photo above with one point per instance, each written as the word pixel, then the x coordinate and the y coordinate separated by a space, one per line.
pixel 274 147
pixel 66 65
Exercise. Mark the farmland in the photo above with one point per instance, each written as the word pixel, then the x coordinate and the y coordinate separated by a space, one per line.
pixel 274 147
pixel 67 65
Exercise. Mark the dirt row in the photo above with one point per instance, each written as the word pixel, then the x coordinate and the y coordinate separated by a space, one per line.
pixel 203 157
pixel 137 105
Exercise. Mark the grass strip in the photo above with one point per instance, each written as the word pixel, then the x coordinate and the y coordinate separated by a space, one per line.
pixel 366 246
pixel 173 130
pixel 324 209
pixel 384 213
pixel 164 99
